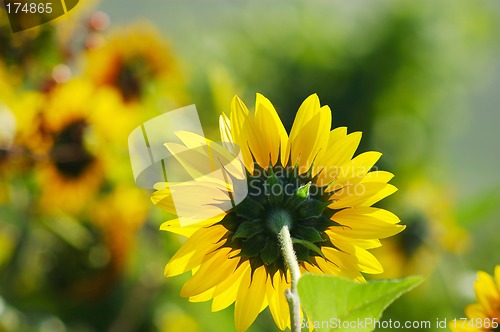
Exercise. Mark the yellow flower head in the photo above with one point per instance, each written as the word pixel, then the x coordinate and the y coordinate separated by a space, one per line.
pixel 310 177
pixel 131 60
pixel 485 314
pixel 73 157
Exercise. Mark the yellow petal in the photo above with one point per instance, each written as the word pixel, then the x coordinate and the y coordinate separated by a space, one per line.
pixel 174 225
pixel 225 129
pixel 312 268
pixel 353 171
pixel 240 123
pixel 191 140
pixel 275 293
pixel 486 292
pixel 357 194
pixel 336 135
pixel 367 263
pixel 366 223
pixel 378 176
pixel 250 297
pixel 307 110
pixel 327 267
pixel 271 130
pixel 340 150
pixel 362 243
pixel 475 311
pixel 345 261
pixel 309 144
pixel 225 293
pixel 212 272
pixel 387 190
pixel 364 261
pixel 195 201
pixel 203 297
pixel 497 277
pixel 193 251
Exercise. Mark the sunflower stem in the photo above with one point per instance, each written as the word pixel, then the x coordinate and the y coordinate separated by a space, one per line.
pixel 292 295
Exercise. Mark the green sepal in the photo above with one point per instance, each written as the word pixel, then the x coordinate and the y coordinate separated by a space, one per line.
pixel 249 208
pixel 303 191
pixel 312 209
pixel 248 229
pixel 299 196
pixel 253 246
pixel 270 252
pixel 308 245
pixel 302 253
pixel 307 234
pixel 273 188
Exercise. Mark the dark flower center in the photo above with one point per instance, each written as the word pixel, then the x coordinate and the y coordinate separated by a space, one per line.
pixel 130 79
pixel 68 152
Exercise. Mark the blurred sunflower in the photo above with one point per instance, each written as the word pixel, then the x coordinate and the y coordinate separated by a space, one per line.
pixel 134 61
pixel 431 229
pixel 484 315
pixel 308 181
pixel 73 169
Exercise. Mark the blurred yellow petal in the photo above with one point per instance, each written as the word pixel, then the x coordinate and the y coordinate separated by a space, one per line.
pixel 486 292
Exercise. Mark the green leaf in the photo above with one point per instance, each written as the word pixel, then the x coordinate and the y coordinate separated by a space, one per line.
pixel 337 304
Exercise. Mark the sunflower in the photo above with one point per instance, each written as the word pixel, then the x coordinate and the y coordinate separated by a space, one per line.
pixel 72 168
pixel 132 61
pixel 308 180
pixel 484 315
